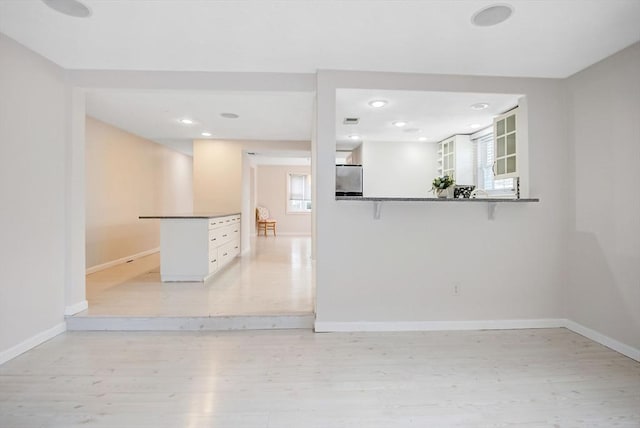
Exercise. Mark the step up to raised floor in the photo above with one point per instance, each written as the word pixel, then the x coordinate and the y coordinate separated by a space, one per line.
pixel 212 323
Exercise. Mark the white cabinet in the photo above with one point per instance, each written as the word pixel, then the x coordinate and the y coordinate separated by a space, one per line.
pixel 195 248
pixel 507 146
pixel 456 158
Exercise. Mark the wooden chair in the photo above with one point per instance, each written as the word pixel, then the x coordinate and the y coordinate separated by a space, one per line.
pixel 263 221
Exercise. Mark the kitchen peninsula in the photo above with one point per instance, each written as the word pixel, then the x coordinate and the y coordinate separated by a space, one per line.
pixel 194 247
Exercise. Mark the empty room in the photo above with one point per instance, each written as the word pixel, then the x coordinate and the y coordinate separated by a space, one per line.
pixel 293 213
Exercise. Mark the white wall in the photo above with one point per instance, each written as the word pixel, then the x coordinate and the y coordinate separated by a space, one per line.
pixel 403 267
pixel 218 171
pixel 222 177
pixel 34 113
pixel 129 176
pixel 400 169
pixel 604 286
pixel 272 194
pixel 217 176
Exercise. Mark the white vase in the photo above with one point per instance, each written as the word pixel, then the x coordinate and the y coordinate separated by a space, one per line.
pixel 445 193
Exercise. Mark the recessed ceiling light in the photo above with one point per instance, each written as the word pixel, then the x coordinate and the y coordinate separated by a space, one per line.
pixel 492 15
pixel 187 121
pixel 479 106
pixel 412 130
pixel 206 134
pixel 422 139
pixel 378 103
pixel 475 126
pixel 354 137
pixel 69 7
pixel 399 123
pixel 229 115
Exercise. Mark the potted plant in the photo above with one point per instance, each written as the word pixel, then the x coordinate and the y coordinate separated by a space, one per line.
pixel 442 187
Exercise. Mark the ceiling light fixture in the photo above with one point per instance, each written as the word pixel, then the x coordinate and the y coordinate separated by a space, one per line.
pixel 354 137
pixel 422 139
pixel 206 134
pixel 229 115
pixel 69 7
pixel 377 103
pixel 492 15
pixel 479 106
pixel 187 121
pixel 475 126
pixel 399 123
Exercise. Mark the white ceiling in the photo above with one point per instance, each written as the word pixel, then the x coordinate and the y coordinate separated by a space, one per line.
pixel 155 115
pixel 544 38
pixel 437 115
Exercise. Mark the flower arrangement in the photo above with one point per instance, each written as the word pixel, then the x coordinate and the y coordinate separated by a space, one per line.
pixel 440 184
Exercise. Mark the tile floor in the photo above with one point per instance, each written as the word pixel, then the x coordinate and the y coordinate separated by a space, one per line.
pixel 274 278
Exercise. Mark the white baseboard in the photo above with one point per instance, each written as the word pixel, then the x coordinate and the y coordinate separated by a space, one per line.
pixel 602 339
pixel 629 351
pixel 281 234
pixel 75 308
pixel 438 325
pixel 187 278
pixel 120 261
pixel 32 342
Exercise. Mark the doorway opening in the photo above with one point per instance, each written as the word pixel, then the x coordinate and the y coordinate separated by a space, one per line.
pixel 143 159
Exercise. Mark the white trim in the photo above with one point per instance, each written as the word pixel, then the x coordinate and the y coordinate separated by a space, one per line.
pixel 255 235
pixel 208 323
pixel 32 342
pixel 187 278
pixel 76 307
pixel 355 326
pixel 605 340
pixel 289 234
pixel 122 260
pixel 481 133
pixel 438 325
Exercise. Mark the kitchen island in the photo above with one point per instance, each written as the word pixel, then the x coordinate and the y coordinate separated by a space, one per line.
pixel 193 247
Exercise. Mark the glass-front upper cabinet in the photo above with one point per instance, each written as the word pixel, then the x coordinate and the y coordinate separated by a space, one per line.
pixel 506 144
pixel 456 159
pixel 448 159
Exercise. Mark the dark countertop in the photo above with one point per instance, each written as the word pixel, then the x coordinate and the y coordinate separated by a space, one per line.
pixel 186 216
pixel 376 199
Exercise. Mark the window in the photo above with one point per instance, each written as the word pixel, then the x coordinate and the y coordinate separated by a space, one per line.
pixel 298 193
pixel 485 158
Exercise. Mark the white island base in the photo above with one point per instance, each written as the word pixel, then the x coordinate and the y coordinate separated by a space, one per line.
pixel 194 248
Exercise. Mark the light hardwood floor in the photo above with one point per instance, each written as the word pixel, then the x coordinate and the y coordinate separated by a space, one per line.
pixel 295 378
pixel 274 278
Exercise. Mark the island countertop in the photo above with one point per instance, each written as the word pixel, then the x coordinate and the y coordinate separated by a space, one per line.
pixel 188 215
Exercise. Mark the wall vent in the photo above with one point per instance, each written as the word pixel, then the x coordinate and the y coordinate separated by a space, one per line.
pixel 351 120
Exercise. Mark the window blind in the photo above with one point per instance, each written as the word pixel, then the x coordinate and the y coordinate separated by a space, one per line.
pixel 299 187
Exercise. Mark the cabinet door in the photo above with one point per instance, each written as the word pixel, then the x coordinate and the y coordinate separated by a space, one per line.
pixel 506 145
pixel 448 158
